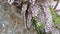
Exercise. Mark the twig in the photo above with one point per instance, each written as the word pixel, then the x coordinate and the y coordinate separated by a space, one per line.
pixel 15 24
pixel 26 14
pixel 57 10
pixel 56 4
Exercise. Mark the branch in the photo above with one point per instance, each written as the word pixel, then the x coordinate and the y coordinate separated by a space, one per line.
pixel 56 4
pixel 57 10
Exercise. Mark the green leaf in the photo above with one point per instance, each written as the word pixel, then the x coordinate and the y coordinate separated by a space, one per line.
pixel 51 11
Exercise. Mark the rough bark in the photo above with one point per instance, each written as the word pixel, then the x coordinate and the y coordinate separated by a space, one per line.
pixel 31 9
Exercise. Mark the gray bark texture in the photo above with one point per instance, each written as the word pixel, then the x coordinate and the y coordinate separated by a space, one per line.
pixel 18 14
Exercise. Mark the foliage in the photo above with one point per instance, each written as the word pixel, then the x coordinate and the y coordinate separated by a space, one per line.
pixel 56 18
pixel 38 27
